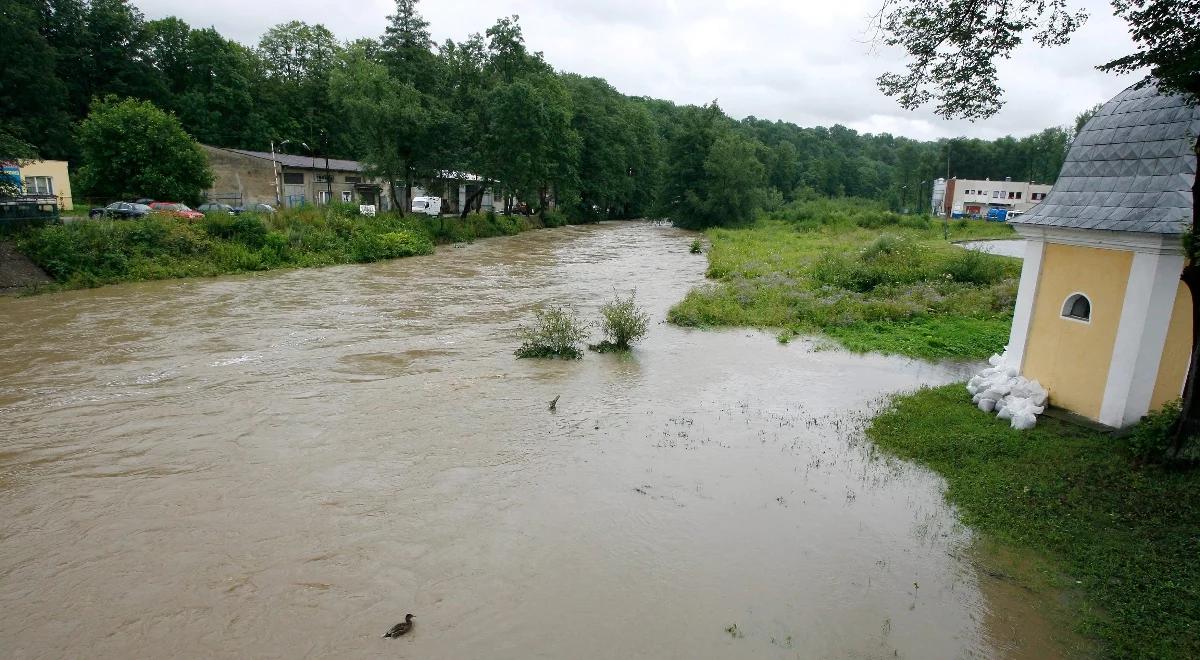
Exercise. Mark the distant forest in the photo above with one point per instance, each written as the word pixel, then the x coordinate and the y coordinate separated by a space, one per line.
pixel 409 107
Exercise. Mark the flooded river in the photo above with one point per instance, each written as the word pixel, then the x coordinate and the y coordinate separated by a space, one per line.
pixel 283 465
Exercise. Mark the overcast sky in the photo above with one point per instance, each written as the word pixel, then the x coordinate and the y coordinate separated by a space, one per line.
pixel 797 60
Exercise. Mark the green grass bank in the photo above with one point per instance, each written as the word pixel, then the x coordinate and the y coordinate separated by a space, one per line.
pixel 89 253
pixel 1124 535
pixel 870 279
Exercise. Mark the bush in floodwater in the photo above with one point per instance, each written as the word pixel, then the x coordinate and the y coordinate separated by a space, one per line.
pixel 555 333
pixel 696 247
pixel 623 323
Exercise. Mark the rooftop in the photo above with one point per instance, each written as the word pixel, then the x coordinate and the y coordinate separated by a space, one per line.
pixel 1131 168
pixel 305 162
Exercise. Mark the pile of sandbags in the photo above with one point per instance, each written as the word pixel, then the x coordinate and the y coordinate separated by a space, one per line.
pixel 1001 389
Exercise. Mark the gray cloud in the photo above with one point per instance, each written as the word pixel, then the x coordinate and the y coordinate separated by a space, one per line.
pixel 804 62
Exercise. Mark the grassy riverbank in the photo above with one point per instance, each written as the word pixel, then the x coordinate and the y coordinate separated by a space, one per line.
pixel 872 280
pixel 89 253
pixel 1124 535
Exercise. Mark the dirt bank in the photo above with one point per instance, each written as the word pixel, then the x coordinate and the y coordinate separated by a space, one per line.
pixel 17 272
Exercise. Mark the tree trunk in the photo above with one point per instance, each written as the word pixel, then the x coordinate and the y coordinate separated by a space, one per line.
pixel 392 193
pixel 1189 418
pixel 408 187
pixel 473 200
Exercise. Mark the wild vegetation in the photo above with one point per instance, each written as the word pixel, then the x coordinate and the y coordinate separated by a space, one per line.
pixel 1121 531
pixel 486 104
pixel 556 332
pixel 96 252
pixel 623 323
pixel 871 279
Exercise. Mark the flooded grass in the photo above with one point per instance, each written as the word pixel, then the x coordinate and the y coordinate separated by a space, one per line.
pixel 894 285
pixel 1124 535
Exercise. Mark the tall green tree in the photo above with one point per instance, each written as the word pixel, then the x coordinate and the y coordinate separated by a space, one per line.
pixel 405 136
pixel 297 60
pixel 532 147
pixel 407 49
pixel 32 97
pixel 132 149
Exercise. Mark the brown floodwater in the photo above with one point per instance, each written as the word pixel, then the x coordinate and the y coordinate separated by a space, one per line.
pixel 282 465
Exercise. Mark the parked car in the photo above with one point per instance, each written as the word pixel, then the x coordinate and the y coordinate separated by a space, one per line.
pixel 120 210
pixel 176 209
pixel 217 207
pixel 261 208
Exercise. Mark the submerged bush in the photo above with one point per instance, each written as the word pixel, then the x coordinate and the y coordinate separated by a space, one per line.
pixel 556 332
pixel 623 323
pixel 696 247
pixel 553 218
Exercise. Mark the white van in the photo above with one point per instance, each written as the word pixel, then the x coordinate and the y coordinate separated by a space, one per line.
pixel 427 205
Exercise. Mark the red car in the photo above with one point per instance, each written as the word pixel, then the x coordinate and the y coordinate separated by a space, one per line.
pixel 176 209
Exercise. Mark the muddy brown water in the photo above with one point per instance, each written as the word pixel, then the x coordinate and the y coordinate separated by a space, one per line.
pixel 283 465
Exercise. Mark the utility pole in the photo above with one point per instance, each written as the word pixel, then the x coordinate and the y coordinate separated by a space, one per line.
pixel 328 176
pixel 275 169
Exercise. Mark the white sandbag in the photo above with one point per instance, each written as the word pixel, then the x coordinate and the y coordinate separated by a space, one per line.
pixel 1024 421
pixel 1001 389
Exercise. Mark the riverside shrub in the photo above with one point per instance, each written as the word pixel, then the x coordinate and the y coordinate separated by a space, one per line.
pixel 96 252
pixel 623 323
pixel 556 332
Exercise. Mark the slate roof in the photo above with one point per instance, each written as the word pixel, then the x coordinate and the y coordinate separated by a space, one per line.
pixel 304 162
pixel 1131 168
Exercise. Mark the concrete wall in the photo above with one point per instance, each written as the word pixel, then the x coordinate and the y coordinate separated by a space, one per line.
pixel 240 179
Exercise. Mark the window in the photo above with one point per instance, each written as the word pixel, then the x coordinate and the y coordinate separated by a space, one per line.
pixel 996 194
pixel 354 179
pixel 324 178
pixel 346 196
pixel 322 196
pixel 1018 195
pixel 1077 307
pixel 293 178
pixel 39 185
pixel 1037 197
pixel 1012 195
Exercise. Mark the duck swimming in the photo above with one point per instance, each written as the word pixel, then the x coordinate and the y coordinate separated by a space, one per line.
pixel 400 628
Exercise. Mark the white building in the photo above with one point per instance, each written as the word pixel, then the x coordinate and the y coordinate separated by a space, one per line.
pixel 975 197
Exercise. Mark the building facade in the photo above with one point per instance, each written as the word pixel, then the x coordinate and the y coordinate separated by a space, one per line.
pixel 243 178
pixel 46 181
pixel 1102 319
pixel 974 197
